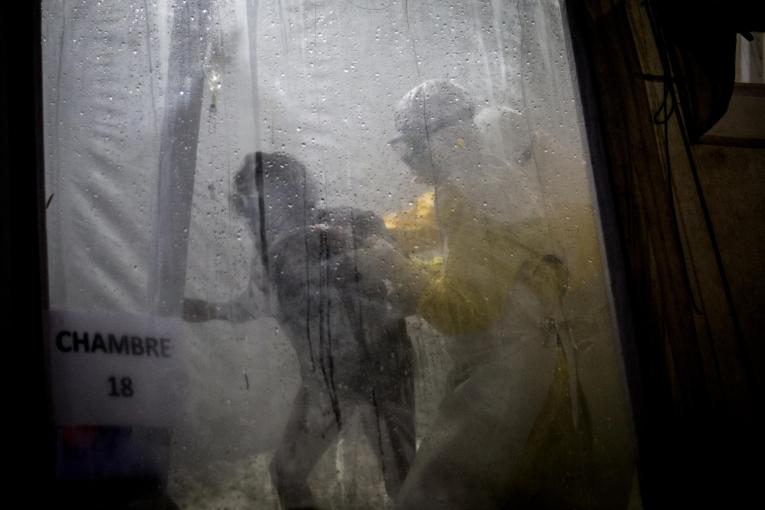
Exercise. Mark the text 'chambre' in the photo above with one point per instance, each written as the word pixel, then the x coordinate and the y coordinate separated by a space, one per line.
pixel 129 345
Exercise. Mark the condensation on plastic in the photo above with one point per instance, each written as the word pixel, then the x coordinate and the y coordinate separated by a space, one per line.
pixel 143 141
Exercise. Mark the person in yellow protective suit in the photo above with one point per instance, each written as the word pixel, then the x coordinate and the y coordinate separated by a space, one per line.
pixel 513 430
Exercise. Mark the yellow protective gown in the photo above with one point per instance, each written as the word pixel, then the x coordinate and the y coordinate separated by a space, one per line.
pixel 513 429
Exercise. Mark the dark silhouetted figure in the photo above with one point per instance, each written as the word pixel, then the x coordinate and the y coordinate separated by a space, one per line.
pixel 352 346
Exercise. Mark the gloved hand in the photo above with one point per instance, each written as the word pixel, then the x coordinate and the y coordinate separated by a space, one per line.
pixel 380 260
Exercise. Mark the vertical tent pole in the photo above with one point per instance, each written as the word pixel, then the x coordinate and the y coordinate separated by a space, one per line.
pixel 178 155
pixel 252 32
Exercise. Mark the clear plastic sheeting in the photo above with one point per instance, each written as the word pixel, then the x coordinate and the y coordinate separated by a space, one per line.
pixel 376 221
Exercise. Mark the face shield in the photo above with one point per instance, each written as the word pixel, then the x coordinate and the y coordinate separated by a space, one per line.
pixel 414 152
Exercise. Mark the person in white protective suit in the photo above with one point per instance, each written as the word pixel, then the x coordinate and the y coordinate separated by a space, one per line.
pixel 513 430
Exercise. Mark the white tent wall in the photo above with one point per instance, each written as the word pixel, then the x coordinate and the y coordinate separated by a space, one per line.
pixel 103 90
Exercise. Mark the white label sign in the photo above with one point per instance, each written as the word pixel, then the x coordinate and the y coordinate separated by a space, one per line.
pixel 115 369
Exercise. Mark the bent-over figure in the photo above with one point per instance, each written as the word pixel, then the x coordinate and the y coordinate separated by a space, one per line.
pixel 352 346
